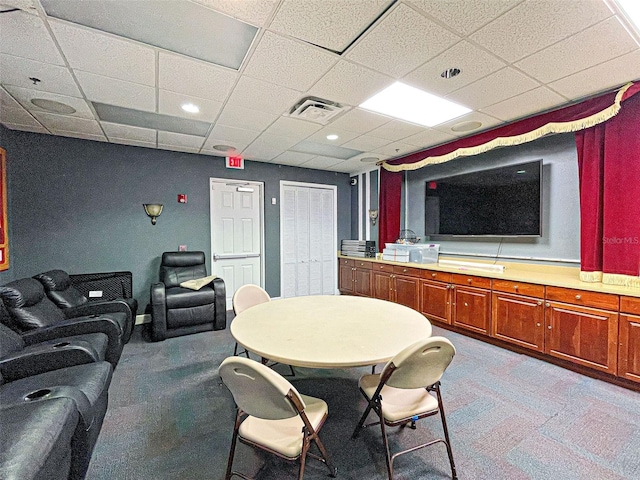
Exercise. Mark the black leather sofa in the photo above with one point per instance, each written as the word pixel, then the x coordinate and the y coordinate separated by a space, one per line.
pixel 176 310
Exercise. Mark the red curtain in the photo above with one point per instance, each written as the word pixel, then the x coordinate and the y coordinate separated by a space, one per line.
pixel 609 168
pixel 390 196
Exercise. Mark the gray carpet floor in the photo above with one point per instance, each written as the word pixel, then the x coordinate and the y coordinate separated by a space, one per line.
pixel 510 417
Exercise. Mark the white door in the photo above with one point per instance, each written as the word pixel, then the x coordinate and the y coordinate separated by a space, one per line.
pixel 236 233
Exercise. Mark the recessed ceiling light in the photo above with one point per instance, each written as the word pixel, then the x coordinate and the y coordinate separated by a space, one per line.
pixel 53 106
pixel 224 148
pixel 369 159
pixel 450 73
pixel 414 105
pixel 466 126
pixel 190 107
pixel 333 136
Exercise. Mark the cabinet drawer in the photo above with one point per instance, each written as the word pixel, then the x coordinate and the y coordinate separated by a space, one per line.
pixel 362 264
pixel 583 297
pixel 383 267
pixel 414 272
pixel 347 262
pixel 630 305
pixel 471 281
pixel 437 276
pixel 528 289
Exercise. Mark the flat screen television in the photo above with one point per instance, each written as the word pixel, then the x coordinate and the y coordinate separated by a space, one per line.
pixel 504 202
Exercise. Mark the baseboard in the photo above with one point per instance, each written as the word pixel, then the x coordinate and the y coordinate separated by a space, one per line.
pixel 144 318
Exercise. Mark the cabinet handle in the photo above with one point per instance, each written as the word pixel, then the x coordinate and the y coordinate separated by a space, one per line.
pixel 470 280
pixel 466 304
pixel 578 297
pixel 404 269
pixel 547 304
pixel 538 324
pixel 549 327
pixel 515 287
pixel 539 303
pixel 381 266
pixel 433 275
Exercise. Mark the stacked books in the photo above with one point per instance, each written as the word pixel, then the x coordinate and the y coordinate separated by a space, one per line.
pixel 358 248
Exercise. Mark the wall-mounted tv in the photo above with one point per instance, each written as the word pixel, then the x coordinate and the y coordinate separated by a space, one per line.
pixel 504 201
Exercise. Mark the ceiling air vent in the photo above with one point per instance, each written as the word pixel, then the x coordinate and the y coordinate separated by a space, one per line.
pixel 316 110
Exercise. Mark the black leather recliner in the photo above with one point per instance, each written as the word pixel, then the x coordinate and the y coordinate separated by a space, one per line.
pixel 176 310
pixel 32 313
pixel 61 291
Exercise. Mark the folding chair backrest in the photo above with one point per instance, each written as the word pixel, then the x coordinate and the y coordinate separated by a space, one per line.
pixel 257 389
pixel 420 364
pixel 247 296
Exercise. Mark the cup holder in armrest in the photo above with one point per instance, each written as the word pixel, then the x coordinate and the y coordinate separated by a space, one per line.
pixel 38 394
pixel 62 344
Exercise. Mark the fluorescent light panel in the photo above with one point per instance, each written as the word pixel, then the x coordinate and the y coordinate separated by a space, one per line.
pixel 182 27
pixel 414 105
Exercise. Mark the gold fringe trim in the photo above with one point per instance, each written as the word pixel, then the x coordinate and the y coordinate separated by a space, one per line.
pixel 548 129
pixel 619 279
pixel 593 277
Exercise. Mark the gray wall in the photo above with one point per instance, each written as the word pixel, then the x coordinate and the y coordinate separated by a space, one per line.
pixel 560 239
pixel 77 205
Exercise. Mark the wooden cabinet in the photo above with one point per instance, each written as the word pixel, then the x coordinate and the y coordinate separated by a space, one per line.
pixel 355 277
pixel 397 284
pixel 629 339
pixel 516 318
pixel 471 303
pixel 435 296
pixel 345 275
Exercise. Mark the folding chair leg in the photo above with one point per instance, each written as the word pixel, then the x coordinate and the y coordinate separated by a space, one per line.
pixel 327 459
pixel 232 450
pixel 386 449
pixel 454 475
pixel 356 432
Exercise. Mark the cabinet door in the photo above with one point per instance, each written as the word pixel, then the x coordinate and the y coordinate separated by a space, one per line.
pixel 362 282
pixel 382 286
pixel 518 319
pixel 629 348
pixel 582 335
pixel 435 302
pixel 472 308
pixel 345 276
pixel 407 291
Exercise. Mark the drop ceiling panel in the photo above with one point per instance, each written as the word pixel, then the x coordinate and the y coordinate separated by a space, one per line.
pixel 117 92
pixel 606 75
pixel 53 78
pixel 343 136
pixel 128 132
pixel 486 122
pixel 350 83
pixel 134 143
pixel 175 148
pixel 25 35
pixel 473 62
pixel 26 128
pixel 536 24
pixel 68 124
pixel 382 49
pixel 256 12
pixel 211 142
pixel 239 117
pixel 528 103
pixel 366 143
pixel 494 88
pixel 329 24
pixel 352 166
pixel 396 130
pixel 359 121
pixel 293 158
pixel 267 147
pixel 293 127
pixel 322 163
pixel 428 138
pixel 396 149
pixel 170 103
pixel 256 94
pixel 83 136
pixel 106 55
pixel 193 77
pixel 24 96
pixel 17 116
pixel 297 65
pixel 578 52
pixel 231 136
pixel 179 140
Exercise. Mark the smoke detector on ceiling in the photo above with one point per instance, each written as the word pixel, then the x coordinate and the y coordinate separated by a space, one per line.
pixel 316 110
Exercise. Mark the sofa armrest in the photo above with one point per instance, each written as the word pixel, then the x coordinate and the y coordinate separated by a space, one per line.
pixel 158 312
pixel 99 308
pixel 220 321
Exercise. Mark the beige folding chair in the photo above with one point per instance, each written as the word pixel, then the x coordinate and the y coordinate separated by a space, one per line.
pixel 272 415
pixel 401 393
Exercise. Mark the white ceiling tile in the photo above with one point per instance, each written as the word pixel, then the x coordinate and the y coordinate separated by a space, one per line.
pixel 353 166
pixel 349 83
pixel 25 128
pixel 53 78
pixel 428 138
pixel 279 141
pixel 239 117
pixel 524 105
pixel 127 132
pixel 590 47
pixel 267 147
pixel 83 136
pixel 473 62
pixel 256 12
pixel 494 88
pixel 25 35
pixel 68 124
pixel 536 24
pixel 385 51
pixel 343 136
pixel 396 130
pixel 322 163
pixel 24 96
pixel 193 77
pixel 222 135
pixel 179 140
pixel 330 24
pixel 26 5
pixel 17 116
pixel 486 121
pixel 107 55
pixel 395 149
pixel 293 127
pixel 170 103
pixel 256 94
pixel 601 77
pixel 176 148
pixel 212 141
pixel 6 100
pixel 293 158
pixel 117 92
pixel 296 65
pixel 464 16
pixel 359 121
pixel 366 143
pixel 134 143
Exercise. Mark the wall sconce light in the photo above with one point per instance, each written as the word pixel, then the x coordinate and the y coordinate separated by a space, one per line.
pixel 373 216
pixel 153 210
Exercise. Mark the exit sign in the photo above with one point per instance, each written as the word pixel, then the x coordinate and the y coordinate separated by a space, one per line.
pixel 235 162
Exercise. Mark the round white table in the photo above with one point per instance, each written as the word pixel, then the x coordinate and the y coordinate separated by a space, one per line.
pixel 329 331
